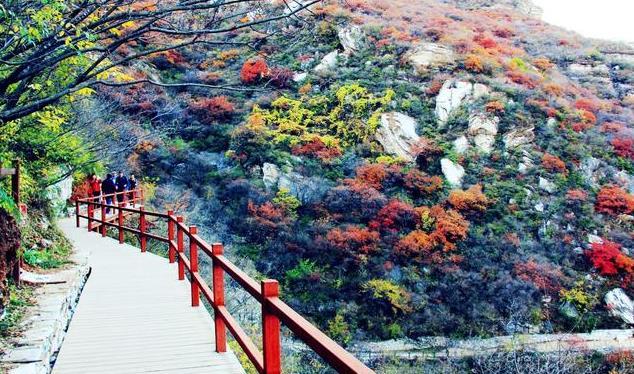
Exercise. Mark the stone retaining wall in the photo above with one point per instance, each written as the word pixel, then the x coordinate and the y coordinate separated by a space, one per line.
pixel 45 324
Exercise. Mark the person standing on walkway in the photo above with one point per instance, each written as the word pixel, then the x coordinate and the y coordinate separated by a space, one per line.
pixel 108 188
pixel 95 187
pixel 132 187
pixel 122 187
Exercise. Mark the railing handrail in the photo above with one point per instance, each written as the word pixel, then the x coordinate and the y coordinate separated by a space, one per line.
pixel 274 310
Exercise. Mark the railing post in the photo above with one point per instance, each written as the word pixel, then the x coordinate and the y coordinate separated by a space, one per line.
pixel 193 264
pixel 77 212
pixel 218 280
pixel 170 236
pixel 142 229
pixel 103 219
pixel 271 342
pixel 180 246
pixel 91 213
pixel 120 224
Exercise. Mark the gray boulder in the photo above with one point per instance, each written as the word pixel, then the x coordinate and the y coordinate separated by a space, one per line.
pixel 397 134
pixel 620 305
pixel 427 56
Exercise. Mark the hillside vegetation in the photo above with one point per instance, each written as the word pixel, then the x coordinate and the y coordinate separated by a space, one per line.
pixel 404 168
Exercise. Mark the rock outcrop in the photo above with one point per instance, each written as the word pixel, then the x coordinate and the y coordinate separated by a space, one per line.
pixel 397 134
pixel 453 172
pixel 620 305
pixel 453 94
pixel 519 137
pixel 270 175
pixel 428 56
pixel 482 129
pixel 327 65
pixel 461 145
pixel 352 39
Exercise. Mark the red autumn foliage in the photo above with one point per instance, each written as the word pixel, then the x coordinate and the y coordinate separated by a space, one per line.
pixel 580 126
pixel 254 70
pixel 587 104
pixel 317 148
pixel 354 240
pixel 281 77
pixel 624 147
pixel 211 109
pixel 485 42
pixel 608 259
pixel 587 117
pixel 471 200
pixel 614 200
pixel 421 183
pixel 80 190
pixel 553 163
pixel 394 216
pixel 545 277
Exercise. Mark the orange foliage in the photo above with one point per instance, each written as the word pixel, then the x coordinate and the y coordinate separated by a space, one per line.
pixel 421 183
pixel 614 200
pixel 553 163
pixel 522 78
pixel 553 89
pixel 471 200
pixel 474 63
pixel 494 107
pixel 612 127
pixel 542 63
pixel 372 175
pixel 354 240
pixel 253 70
pixel 576 195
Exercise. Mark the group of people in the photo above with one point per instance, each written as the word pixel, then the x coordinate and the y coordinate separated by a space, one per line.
pixel 112 185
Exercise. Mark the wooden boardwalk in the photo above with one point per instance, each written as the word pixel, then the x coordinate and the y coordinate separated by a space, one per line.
pixel 134 316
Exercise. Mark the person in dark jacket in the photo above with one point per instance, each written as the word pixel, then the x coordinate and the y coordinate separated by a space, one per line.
pixel 131 188
pixel 108 188
pixel 122 187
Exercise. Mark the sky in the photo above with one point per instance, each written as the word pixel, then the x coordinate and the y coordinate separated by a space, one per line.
pixel 602 19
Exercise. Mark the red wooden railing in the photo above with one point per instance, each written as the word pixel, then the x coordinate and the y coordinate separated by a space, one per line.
pixel 274 310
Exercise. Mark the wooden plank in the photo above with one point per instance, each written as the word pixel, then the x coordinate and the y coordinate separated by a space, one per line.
pixel 134 316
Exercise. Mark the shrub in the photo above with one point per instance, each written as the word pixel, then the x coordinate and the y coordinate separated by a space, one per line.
pixel 576 195
pixel 254 70
pixel 317 148
pixel 471 200
pixel 474 63
pixel 356 241
pixel 421 183
pixel 394 217
pixel 624 147
pixel 372 175
pixel 608 259
pixel 390 292
pixel 494 107
pixel 281 77
pixel 542 63
pixel 614 200
pixel 215 108
pixel 553 163
pixel 546 277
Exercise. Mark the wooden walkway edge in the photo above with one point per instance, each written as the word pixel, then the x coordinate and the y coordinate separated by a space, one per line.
pixel 134 316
